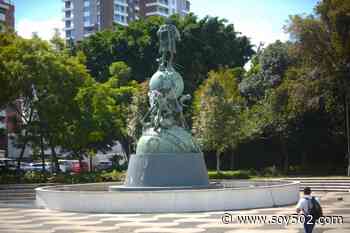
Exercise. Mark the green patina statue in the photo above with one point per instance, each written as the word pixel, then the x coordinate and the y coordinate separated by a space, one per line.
pixel 164 122
pixel 168 35
pixel 166 154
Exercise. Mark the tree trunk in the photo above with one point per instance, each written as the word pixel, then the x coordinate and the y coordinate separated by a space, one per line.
pixel 304 160
pixel 42 152
pixel 218 162
pixel 125 145
pixel 21 154
pixel 284 150
pixel 347 132
pixel 54 159
pixel 80 163
pixel 233 160
pixel 91 168
pixel 25 141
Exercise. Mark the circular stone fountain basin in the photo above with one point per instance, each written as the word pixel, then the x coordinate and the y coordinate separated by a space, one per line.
pixel 228 195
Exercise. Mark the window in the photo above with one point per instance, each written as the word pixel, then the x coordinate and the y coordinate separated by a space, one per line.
pixel 163 10
pixel 88 30
pixel 69 34
pixel 120 18
pixel 68 14
pixel 121 1
pixel 2 17
pixel 86 21
pixel 68 24
pixel 120 8
pixel 188 5
pixel 67 4
pixel 164 2
pixel 86 3
pixel 86 13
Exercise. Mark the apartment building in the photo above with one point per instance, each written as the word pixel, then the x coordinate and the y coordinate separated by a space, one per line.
pixel 164 7
pixel 84 17
pixel 7 12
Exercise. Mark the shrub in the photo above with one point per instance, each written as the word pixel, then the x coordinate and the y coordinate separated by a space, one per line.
pixel 271 171
pixel 112 176
pixel 35 177
pixel 239 174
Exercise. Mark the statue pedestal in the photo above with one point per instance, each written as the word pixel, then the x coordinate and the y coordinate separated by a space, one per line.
pixel 166 158
pixel 167 170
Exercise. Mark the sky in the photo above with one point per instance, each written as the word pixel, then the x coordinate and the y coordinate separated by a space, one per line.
pixel 260 20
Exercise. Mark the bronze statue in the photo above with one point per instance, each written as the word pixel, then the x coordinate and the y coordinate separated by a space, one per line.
pixel 168 35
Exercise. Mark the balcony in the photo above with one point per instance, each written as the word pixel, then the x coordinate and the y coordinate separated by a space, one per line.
pixel 157 13
pixel 121 3
pixel 4 6
pixel 71 27
pixel 68 18
pixel 2 17
pixel 158 3
pixel 70 8
pixel 116 12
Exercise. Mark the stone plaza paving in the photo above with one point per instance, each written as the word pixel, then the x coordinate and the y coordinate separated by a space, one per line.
pixel 29 219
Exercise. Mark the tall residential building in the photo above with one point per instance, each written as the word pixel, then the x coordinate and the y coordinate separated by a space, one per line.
pixel 7 12
pixel 84 17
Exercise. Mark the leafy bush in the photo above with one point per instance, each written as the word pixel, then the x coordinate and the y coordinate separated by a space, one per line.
pixel 239 174
pixel 271 171
pixel 9 178
pixel 112 176
pixel 35 177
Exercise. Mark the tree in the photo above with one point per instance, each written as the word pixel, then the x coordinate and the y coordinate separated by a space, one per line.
pixel 206 44
pixel 267 72
pixel 267 92
pixel 46 79
pixel 217 108
pixel 137 110
pixel 102 115
pixel 322 42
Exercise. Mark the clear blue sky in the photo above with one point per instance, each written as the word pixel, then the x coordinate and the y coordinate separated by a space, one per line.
pixel 261 20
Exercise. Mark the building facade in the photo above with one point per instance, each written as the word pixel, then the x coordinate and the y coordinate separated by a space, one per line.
pixel 7 19
pixel 7 12
pixel 84 17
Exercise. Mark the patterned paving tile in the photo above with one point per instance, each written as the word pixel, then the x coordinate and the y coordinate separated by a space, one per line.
pixel 33 220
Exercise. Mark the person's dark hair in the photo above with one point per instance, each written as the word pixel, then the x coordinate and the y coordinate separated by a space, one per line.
pixel 307 190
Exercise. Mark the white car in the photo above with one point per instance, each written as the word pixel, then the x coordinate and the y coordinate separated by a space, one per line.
pixel 65 165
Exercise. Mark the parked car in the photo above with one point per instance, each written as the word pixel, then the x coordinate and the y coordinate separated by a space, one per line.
pixel 6 163
pixel 104 165
pixel 25 167
pixel 65 165
pixel 77 169
pixel 37 167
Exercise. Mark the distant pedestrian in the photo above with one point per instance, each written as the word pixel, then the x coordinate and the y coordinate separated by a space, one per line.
pixel 310 207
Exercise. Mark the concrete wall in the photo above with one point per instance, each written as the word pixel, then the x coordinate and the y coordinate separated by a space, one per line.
pixel 63 198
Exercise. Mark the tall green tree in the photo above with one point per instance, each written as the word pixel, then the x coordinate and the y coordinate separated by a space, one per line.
pixel 266 89
pixel 322 43
pixel 217 107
